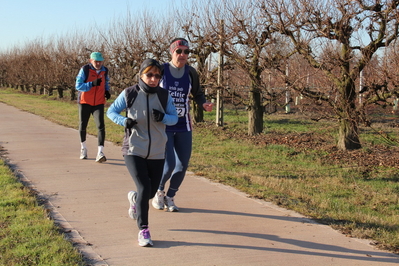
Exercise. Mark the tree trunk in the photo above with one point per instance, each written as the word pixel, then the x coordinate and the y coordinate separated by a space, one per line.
pixel 348 137
pixel 72 91
pixel 255 113
pixel 60 90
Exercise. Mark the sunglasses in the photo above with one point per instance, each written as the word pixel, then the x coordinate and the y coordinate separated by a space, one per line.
pixel 150 75
pixel 179 51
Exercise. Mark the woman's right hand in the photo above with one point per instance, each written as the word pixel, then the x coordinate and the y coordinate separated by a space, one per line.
pixel 129 123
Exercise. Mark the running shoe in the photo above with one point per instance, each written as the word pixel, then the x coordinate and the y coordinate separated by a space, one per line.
pixel 83 153
pixel 158 201
pixel 170 204
pixel 101 158
pixel 145 238
pixel 131 196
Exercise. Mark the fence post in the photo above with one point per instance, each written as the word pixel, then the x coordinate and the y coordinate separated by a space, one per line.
pixel 219 96
pixel 287 94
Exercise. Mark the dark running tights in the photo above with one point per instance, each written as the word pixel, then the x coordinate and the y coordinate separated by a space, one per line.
pixel 85 110
pixel 146 175
pixel 178 153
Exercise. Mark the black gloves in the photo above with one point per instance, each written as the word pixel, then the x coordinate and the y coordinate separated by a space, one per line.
pixel 107 94
pixel 157 115
pixel 96 82
pixel 130 123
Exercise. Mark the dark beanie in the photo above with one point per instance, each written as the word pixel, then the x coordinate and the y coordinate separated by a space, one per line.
pixel 149 62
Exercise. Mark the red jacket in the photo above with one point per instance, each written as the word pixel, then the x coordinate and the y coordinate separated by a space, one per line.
pixel 96 94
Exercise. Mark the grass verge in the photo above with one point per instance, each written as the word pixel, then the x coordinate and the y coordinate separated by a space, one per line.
pixel 27 235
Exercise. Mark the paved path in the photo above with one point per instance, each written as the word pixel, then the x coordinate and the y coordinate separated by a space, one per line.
pixel 217 225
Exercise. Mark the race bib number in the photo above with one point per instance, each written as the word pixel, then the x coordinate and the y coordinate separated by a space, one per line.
pixel 181 112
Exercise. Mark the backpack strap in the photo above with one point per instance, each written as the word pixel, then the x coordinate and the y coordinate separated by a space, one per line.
pixel 196 89
pixel 131 95
pixel 86 69
pixel 163 95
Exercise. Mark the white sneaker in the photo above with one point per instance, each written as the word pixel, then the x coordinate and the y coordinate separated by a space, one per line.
pixel 131 196
pixel 101 158
pixel 83 153
pixel 145 238
pixel 159 200
pixel 170 204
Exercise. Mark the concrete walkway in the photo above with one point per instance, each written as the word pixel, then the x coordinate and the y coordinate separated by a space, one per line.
pixel 217 225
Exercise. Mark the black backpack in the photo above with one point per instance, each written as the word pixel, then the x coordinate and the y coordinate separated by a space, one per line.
pixel 86 69
pixel 131 94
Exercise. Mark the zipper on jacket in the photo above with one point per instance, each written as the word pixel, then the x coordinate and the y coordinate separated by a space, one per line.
pixel 148 125
pixel 95 90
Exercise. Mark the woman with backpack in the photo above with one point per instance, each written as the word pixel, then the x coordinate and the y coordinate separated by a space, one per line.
pixel 149 109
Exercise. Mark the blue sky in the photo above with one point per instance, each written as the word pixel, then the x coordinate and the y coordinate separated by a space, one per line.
pixel 22 21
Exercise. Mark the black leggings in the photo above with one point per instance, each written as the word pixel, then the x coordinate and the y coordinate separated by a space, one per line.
pixel 85 110
pixel 146 175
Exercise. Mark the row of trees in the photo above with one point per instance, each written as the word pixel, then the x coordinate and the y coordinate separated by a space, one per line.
pixel 316 48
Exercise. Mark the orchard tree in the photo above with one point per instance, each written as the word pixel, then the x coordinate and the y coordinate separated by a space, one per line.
pixel 252 43
pixel 195 22
pixel 126 49
pixel 237 29
pixel 352 31
pixel 157 34
pixel 132 39
pixel 385 82
pixel 67 61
